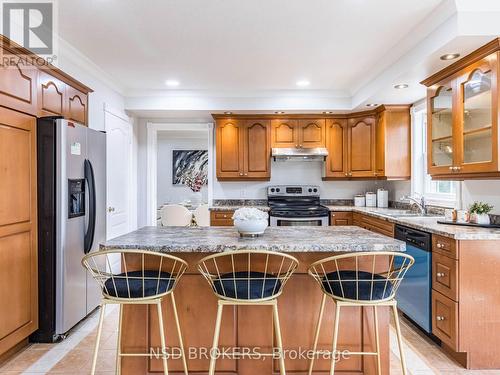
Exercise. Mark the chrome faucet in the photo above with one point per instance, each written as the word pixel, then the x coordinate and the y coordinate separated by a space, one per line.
pixel 419 202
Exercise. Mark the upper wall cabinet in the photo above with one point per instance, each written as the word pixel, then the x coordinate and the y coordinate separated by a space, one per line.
pixel 336 164
pixel 284 133
pixel 298 133
pixel 462 122
pixel 18 87
pixel 361 146
pixel 311 133
pixel 243 149
pixel 393 143
pixel 40 90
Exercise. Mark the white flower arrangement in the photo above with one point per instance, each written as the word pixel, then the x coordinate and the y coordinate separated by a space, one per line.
pixel 249 213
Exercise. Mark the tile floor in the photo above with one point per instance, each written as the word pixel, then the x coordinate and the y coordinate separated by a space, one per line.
pixel 74 355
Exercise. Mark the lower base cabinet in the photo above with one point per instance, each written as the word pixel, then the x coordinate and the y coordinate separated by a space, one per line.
pixel 340 218
pixel 466 300
pixel 221 218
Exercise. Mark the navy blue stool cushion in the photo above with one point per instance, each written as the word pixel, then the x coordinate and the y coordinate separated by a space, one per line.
pixel 238 284
pixel 151 286
pixel 332 285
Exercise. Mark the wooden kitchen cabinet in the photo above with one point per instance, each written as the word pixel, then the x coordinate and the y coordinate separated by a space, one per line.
pixel 18 228
pixel 340 218
pixel 336 163
pixel 221 218
pixel 374 224
pixel 51 95
pixel 361 146
pixel 284 133
pixel 243 149
pixel 39 90
pixel 311 133
pixel 465 300
pixel 393 143
pixel 298 133
pixel 18 87
pixel 462 120
pixel 76 105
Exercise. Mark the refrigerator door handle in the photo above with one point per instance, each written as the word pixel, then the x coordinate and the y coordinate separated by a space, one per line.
pixel 89 178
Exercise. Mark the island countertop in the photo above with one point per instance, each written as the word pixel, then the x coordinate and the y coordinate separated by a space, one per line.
pixel 285 239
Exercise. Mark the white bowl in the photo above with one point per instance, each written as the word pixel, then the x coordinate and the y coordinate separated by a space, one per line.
pixel 250 227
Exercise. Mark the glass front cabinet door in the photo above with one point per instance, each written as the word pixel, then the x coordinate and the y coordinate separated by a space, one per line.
pixel 477 117
pixel 462 122
pixel 440 130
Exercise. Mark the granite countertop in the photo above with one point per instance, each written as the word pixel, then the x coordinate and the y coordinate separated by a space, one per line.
pixel 235 207
pixel 285 239
pixel 428 224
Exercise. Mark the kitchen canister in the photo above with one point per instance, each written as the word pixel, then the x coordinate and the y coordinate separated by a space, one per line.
pixel 359 200
pixel 382 198
pixel 371 199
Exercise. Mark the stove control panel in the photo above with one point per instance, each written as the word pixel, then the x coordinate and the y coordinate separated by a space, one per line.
pixel 293 191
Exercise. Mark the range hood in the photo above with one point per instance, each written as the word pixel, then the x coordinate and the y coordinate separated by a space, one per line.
pixel 299 154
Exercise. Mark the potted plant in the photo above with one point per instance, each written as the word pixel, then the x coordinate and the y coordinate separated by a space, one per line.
pixel 250 221
pixel 479 212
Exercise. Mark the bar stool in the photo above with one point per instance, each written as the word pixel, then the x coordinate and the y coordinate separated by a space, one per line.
pixel 374 283
pixel 145 280
pixel 247 277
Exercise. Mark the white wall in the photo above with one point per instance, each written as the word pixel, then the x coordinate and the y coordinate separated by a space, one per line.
pixel 167 142
pixel 486 191
pixel 82 69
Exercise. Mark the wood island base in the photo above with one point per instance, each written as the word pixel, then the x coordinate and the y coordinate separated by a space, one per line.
pixel 251 327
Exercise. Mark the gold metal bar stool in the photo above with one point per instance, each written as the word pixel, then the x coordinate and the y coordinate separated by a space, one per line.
pixel 248 277
pixel 147 283
pixel 360 279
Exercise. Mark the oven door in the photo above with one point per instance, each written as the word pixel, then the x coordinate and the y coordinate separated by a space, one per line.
pixel 320 221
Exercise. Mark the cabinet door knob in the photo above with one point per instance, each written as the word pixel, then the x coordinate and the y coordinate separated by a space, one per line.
pixel 439 318
pixel 451 168
pixel 439 245
pixel 350 173
pixel 246 174
pixel 347 174
pixel 296 146
pixel 241 174
pixel 440 274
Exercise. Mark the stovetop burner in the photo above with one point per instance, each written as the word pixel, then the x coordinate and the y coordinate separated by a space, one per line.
pixel 295 201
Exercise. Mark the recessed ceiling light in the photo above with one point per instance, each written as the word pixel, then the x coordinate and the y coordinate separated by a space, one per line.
pixel 450 56
pixel 303 83
pixel 372 105
pixel 279 112
pixel 228 113
pixel 327 112
pixel 401 86
pixel 172 83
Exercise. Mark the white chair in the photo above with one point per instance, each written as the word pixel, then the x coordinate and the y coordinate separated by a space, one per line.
pixel 202 215
pixel 175 215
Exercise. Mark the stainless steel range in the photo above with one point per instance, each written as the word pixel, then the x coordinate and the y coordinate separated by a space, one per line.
pixel 296 205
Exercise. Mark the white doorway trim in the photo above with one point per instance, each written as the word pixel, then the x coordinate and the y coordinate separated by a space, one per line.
pixel 152 162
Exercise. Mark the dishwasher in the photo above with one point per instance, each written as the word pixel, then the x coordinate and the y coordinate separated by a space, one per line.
pixel 414 293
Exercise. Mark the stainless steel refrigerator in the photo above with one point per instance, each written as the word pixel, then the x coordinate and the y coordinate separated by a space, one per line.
pixel 71 222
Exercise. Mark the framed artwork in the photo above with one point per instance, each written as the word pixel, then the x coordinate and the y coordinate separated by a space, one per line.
pixel 189 164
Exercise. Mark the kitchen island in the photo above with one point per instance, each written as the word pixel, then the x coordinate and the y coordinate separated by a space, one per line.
pixel 245 326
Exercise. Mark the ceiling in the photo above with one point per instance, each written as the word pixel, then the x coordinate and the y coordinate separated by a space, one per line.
pixel 248 55
pixel 238 44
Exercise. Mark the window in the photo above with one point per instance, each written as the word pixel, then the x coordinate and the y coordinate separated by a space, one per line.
pixel 440 193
